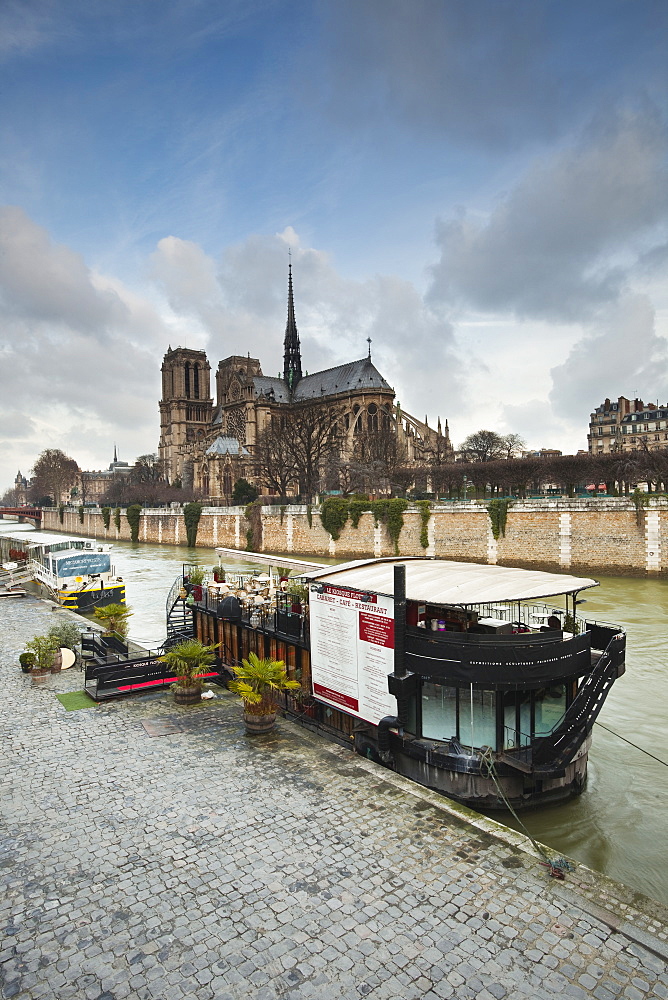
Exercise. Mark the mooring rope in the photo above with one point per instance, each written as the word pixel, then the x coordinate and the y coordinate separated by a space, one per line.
pixel 634 745
pixel 557 867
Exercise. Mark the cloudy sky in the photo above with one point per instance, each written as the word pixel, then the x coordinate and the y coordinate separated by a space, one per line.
pixel 478 186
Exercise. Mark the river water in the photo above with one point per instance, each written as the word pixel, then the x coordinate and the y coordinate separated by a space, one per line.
pixel 618 825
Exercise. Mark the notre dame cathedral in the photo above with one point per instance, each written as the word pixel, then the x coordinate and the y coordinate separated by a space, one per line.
pixel 210 445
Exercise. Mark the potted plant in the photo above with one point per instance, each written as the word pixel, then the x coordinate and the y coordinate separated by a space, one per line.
pixel 196 579
pixel 27 661
pixel 258 681
pixel 189 660
pixel 114 618
pixel 299 594
pixel 44 649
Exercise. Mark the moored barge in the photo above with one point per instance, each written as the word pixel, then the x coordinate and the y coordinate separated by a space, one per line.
pixel 76 572
pixel 452 674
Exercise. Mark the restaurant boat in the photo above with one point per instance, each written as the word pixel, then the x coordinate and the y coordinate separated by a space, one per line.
pixel 75 572
pixel 452 674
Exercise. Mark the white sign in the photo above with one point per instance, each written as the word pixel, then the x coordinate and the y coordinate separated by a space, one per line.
pixel 352 651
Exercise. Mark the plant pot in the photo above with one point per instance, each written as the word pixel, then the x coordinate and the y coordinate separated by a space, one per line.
pixel 258 724
pixel 39 677
pixel 189 694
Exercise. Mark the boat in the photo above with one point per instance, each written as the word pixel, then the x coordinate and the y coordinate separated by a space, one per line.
pixel 457 675
pixel 76 572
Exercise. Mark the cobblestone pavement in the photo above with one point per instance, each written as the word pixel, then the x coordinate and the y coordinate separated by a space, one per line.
pixel 205 864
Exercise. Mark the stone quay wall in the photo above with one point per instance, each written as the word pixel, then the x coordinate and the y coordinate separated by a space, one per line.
pixel 604 535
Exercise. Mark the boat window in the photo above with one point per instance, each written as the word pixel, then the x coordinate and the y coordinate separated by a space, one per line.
pixel 550 707
pixel 439 711
pixel 516 719
pixel 477 718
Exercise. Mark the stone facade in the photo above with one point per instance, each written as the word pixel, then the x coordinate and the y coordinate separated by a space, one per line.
pixel 627 425
pixel 605 536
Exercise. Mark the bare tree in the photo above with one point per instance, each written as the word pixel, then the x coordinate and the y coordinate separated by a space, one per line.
pixel 313 436
pixel 483 446
pixel 513 444
pixel 147 469
pixel 54 474
pixel 274 460
pixel 9 498
pixel 384 459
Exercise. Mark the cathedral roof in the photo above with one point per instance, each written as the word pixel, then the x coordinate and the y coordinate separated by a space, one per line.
pixel 226 446
pixel 351 377
pixel 265 385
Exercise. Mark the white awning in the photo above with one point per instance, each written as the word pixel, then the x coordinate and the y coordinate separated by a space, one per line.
pixel 437 581
pixel 265 559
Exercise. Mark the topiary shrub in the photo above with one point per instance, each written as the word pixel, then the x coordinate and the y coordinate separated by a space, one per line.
pixel 425 513
pixel 334 514
pixel 106 517
pixel 61 512
pixel 81 513
pixel 133 514
pixel 191 515
pixel 309 515
pixel 356 508
pixel 117 518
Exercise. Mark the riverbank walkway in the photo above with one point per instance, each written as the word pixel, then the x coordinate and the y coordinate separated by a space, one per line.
pixel 156 852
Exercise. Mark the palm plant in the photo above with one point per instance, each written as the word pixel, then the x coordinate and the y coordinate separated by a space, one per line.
pixel 114 617
pixel 189 660
pixel 258 682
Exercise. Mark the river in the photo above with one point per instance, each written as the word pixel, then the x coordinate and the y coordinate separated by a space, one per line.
pixel 618 825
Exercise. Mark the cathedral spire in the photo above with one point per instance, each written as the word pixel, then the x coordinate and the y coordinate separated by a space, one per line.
pixel 292 359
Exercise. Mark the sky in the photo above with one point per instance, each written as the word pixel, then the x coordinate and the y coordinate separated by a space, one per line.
pixel 478 186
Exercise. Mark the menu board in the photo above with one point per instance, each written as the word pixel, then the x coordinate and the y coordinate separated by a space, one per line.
pixel 352 651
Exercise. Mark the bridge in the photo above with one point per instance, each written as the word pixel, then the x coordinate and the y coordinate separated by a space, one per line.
pixel 33 514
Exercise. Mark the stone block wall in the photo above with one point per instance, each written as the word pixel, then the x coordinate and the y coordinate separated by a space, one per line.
pixel 582 536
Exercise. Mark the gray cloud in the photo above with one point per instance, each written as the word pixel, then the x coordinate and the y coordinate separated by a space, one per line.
pixel 622 355
pixel 44 282
pixel 486 72
pixel 555 246
pixel 78 350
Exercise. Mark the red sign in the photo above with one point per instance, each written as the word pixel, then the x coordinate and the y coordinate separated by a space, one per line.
pixel 377 630
pixel 340 699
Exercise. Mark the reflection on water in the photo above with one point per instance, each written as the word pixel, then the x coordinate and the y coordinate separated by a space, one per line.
pixel 618 824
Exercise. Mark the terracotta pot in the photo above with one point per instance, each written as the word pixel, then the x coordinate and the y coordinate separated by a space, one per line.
pixel 188 695
pixel 258 724
pixel 39 677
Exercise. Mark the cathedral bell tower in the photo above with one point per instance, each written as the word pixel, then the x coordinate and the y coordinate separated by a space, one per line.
pixel 185 408
pixel 292 358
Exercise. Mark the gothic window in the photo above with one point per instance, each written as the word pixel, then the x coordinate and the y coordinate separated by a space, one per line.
pixel 235 389
pixel 236 425
pixel 372 417
pixel 196 381
pixel 227 483
pixel 186 371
